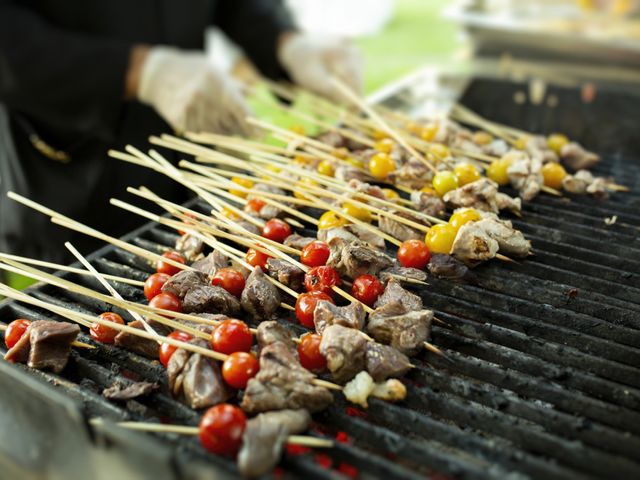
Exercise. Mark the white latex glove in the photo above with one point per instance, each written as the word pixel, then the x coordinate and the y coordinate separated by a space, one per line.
pixel 312 60
pixel 191 94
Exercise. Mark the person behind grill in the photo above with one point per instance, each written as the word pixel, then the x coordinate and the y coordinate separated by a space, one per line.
pixel 78 77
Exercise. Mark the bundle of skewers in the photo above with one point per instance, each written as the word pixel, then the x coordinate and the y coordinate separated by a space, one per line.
pixel 327 234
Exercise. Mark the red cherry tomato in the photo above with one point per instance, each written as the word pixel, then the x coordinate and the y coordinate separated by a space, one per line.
pixel 321 279
pixel 367 289
pixel 231 336
pixel 239 368
pixel 166 267
pixel 103 333
pixel 14 331
pixel 166 349
pixel 306 304
pixel 254 205
pixel 166 301
pixel 229 279
pixel 221 429
pixel 315 254
pixel 256 258
pixel 153 285
pixel 309 352
pixel 276 230
pixel 414 254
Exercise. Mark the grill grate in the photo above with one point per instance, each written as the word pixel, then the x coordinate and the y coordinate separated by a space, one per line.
pixel 544 377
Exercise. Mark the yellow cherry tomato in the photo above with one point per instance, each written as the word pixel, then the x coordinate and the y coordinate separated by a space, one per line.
pixel 497 171
pixel 413 127
pixel 482 138
pixel 299 129
pixel 326 168
pixel 521 143
pixel 354 162
pixel 230 214
pixel 466 173
pixel 464 216
pixel 380 134
pixel 331 220
pixel 381 165
pixel 341 153
pixel 390 194
pixel 428 190
pixel 439 151
pixel 385 145
pixel 440 238
pixel 305 182
pixel 556 141
pixel 444 182
pixel 428 132
pixel 357 211
pixel 553 174
pixel 243 182
pixel 302 160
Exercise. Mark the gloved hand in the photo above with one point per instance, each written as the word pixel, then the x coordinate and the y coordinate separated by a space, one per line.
pixel 191 94
pixel 311 61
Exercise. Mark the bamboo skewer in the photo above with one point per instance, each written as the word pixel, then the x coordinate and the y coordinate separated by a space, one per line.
pixel 75 343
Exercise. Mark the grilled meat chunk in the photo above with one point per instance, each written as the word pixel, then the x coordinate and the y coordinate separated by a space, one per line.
pixel 250 227
pixel 403 328
pixel 412 174
pixel 210 299
pixel 271 332
pixel 428 204
pixel 260 298
pixel 399 230
pixel 283 383
pixel 357 258
pixel 210 264
pixel 393 292
pixel 191 247
pixel 510 241
pixel 365 236
pixel 286 273
pixel 267 212
pixel 598 188
pixel 359 388
pixel 525 175
pixel 196 379
pixel 326 313
pixel 142 346
pixel 346 173
pixel 345 351
pixel 578 182
pixel 482 195
pixel 45 345
pixel 298 241
pixel 183 281
pixel 264 439
pixel 448 267
pixel 473 244
pixel 400 273
pixel 367 188
pixel 123 392
pixel 384 361
pixel 576 157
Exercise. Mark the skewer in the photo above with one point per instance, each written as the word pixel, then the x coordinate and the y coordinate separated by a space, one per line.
pixel 304 440
pixel 75 343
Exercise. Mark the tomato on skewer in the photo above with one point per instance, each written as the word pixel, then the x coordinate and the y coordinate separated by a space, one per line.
pixel 153 285
pixel 166 301
pixel 414 254
pixel 309 352
pixel 239 368
pixel 276 230
pixel 256 258
pixel 367 289
pixel 306 304
pixel 166 267
pixel 166 349
pixel 231 336
pixel 321 279
pixel 221 429
pixel 254 205
pixel 14 332
pixel 104 333
pixel 315 254
pixel 229 279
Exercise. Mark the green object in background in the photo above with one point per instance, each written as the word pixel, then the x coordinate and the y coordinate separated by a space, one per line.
pixel 19 282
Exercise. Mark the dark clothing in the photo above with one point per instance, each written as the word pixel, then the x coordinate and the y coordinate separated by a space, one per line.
pixel 62 76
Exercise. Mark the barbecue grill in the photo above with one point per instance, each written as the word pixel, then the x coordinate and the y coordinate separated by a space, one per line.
pixel 542 378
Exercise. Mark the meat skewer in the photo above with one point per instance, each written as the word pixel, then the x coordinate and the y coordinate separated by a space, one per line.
pixel 75 343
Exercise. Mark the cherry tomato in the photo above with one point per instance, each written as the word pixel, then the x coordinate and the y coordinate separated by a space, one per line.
pixel 497 171
pixel 229 279
pixel 367 289
pixel 381 165
pixel 276 230
pixel 321 279
pixel 461 217
pixel 444 182
pixel 553 174
pixel 315 254
pixel 221 429
pixel 482 138
pixel 166 301
pixel 326 168
pixel 166 267
pixel 390 194
pixel 254 205
pixel 385 145
pixel 414 254
pixel 166 349
pixel 309 352
pixel 429 132
pixel 556 141
pixel 231 336
pixel 239 368
pixel 361 213
pixel 153 285
pixel 14 331
pixel 440 238
pixel 306 304
pixel 256 258
pixel 103 333
pixel 331 220
pixel 243 182
pixel 439 151
pixel 466 173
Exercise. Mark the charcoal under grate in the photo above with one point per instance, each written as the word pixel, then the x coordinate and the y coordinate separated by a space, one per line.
pixel 544 373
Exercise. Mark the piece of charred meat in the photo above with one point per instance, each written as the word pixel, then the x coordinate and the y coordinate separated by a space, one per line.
pixel 190 247
pixel 401 274
pixel 413 174
pixel 393 292
pixel 357 258
pixel 482 195
pixel 265 437
pixel 399 230
pixel 283 383
pixel 346 173
pixel 210 264
pixel 428 204
pixel 473 245
pixel 584 182
pixel 366 236
pixel 450 268
pixel 525 175
pixel 123 392
pixel 511 242
pixel 210 299
pixel 404 329
pixel 45 345
pixel 286 273
pixel 298 241
pixel 345 350
pixel 260 298
pixel 326 313
pixel 183 281
pixel 575 157
pixel 196 379
pixel 385 361
pixel 142 346
pixel 271 332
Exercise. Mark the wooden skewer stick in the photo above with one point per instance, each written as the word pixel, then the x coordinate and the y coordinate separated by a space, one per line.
pixel 75 343
pixel 307 441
